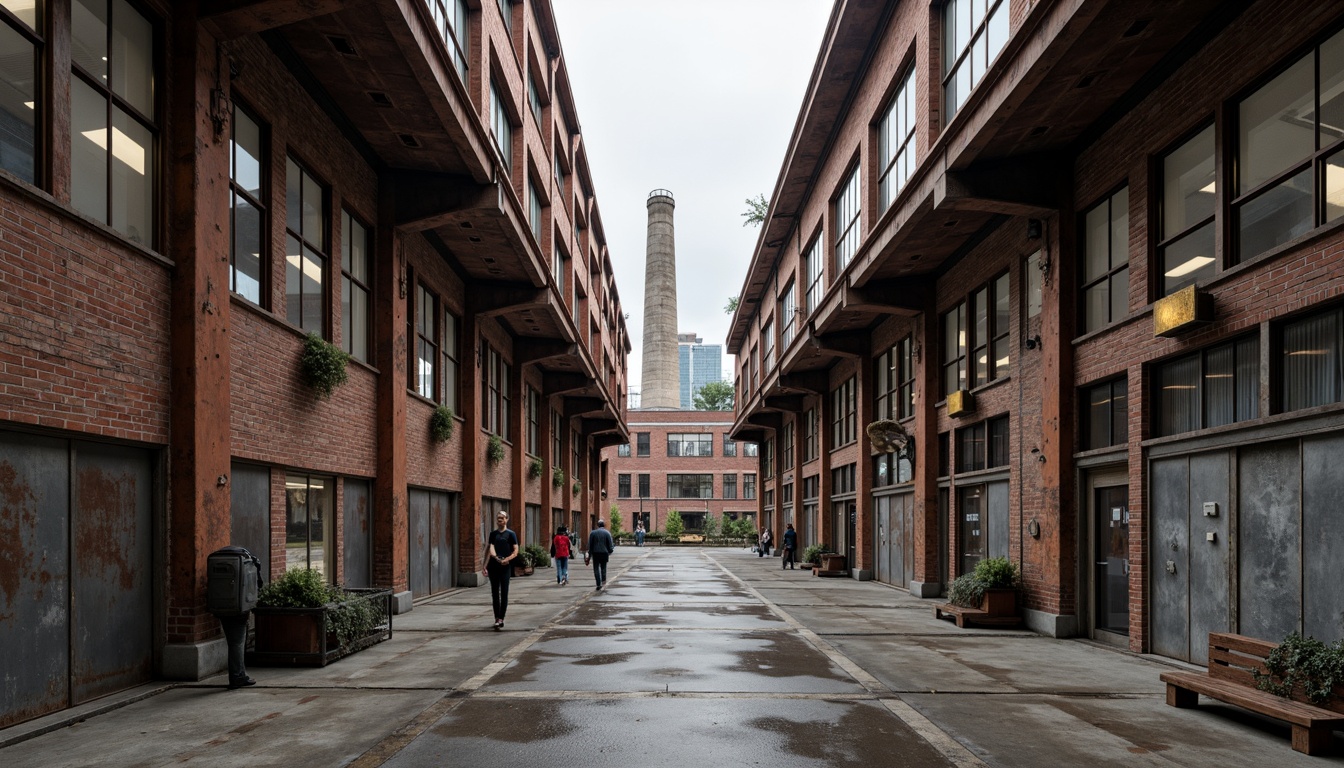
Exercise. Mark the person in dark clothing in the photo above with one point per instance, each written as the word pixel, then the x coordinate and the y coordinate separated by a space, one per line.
pixel 790 547
pixel 501 549
pixel 600 547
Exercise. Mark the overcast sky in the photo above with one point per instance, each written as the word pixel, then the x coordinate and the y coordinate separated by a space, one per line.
pixel 698 97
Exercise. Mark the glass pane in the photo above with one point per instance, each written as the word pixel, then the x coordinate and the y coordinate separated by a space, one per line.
pixel 246 153
pixel 1119 294
pixel 1097 303
pixel 1001 305
pixel 359 325
pixel 1311 371
pixel 1219 390
pixel 1119 412
pixel 25 10
pixel 1188 260
pixel 132 178
pixel 1334 186
pixel 1248 378
pixel 293 281
pixel 246 250
pixel 296 522
pixel 1276 216
pixel 320 503
pixel 1188 184
pixel 293 187
pixel 980 306
pixel 1276 126
pixel 1332 90
pixel 1001 357
pixel 88 37
pixel 18 103
pixel 133 58
pixel 88 163
pixel 1096 428
pixel 313 214
pixel 1120 228
pixel 950 33
pixel 1096 246
pixel 998 30
pixel 1178 396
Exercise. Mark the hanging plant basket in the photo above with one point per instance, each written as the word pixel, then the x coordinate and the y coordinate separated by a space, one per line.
pixel 534 468
pixel 441 424
pixel 577 488
pixel 494 450
pixel 558 477
pixel 887 435
pixel 322 365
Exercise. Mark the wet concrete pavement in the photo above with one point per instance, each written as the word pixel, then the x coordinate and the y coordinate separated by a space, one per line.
pixel 687 656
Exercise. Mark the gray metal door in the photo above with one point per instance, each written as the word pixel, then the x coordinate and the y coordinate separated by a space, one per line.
pixel 34 576
pixel 1323 549
pixel 1210 597
pixel 882 514
pixel 1270 539
pixel 906 547
pixel 358 540
pixel 1170 604
pixel 112 616
pixel 996 517
pixel 441 515
pixel 418 532
pixel 250 511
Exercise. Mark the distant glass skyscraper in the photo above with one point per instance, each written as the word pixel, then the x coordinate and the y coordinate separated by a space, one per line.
pixel 700 364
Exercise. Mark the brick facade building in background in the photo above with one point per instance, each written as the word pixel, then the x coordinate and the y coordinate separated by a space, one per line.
pixel 190 189
pixel 1089 256
pixel 682 460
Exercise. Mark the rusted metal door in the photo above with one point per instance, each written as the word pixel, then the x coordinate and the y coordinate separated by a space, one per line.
pixel 76 565
pixel 441 566
pixel 358 541
pixel 882 517
pixel 417 554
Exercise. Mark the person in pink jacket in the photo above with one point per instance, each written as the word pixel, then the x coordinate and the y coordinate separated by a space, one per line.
pixel 560 551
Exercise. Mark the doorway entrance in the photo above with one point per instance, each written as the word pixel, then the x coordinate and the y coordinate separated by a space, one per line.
pixel 1108 524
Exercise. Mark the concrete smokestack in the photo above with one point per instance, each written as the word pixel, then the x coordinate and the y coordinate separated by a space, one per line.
pixel 660 377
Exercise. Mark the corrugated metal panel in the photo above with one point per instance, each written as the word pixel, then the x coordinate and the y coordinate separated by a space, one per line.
pixel 358 542
pixel 112 608
pixel 34 576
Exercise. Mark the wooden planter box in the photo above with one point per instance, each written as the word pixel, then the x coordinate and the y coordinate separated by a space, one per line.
pixel 523 570
pixel 997 608
pixel 300 637
pixel 831 565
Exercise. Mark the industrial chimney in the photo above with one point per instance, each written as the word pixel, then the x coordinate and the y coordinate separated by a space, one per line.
pixel 660 378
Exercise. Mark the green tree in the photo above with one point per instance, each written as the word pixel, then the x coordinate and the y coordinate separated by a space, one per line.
pixel 712 523
pixel 757 207
pixel 615 516
pixel 714 396
pixel 731 306
pixel 674 527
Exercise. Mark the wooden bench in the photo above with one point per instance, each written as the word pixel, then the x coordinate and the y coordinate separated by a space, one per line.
pixel 1229 679
pixel 974 616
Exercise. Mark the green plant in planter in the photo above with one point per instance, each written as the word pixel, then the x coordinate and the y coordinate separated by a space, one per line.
pixel 966 591
pixel 322 365
pixel 494 451
pixel 349 616
pixel 577 488
pixel 441 424
pixel 1306 662
pixel 557 477
pixel 812 553
pixel 998 573
pixel 534 468
pixel 535 556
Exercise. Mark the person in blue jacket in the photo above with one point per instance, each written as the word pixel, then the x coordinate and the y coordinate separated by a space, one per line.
pixel 600 547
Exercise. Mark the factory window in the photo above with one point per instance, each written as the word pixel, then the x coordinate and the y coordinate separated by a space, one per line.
pixel 248 204
pixel 500 126
pixel 450 19
pixel 305 249
pixel 844 417
pixel 847 209
pixel 1189 193
pixel 1311 361
pixel 21 40
pixel 623 486
pixel 690 486
pixel 356 313
pixel 690 444
pixel 642 444
pixel 813 266
pixel 895 370
pixel 896 141
pixel 973 34
pixel 1217 386
pixel 1105 415
pixel 1106 262
pixel 426 345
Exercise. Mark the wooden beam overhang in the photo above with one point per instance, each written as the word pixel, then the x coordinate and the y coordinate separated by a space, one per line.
pixel 582 406
pixel 813 382
pixel 590 427
pixel 565 383
pixel 770 420
pixel 905 296
pixel 786 403
pixel 607 439
pixel 493 300
pixel 531 351
pixel 1024 185
pixel 231 19
pixel 425 200
pixel 843 344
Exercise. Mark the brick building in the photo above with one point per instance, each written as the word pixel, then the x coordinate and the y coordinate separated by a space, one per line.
pixel 682 460
pixel 189 189
pixel 1088 255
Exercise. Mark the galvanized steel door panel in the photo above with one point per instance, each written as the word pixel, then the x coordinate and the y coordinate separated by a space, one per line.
pixel 1270 539
pixel 1323 544
pixel 882 516
pixel 418 531
pixel 996 511
pixel 907 507
pixel 1210 607
pixel 112 609
pixel 1169 488
pixel 358 540
pixel 250 510
pixel 441 542
pixel 34 576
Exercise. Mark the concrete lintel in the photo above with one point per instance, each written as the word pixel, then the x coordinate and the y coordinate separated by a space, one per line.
pixel 893 297
pixel 492 301
pixel 845 344
pixel 815 382
pixel 425 200
pixel 1027 185
pixel 580 406
pixel 1050 624
pixel 527 352
pixel 194 661
pixel 564 383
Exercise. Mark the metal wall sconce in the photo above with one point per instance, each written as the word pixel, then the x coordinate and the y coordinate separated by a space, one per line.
pixel 1034 342
pixel 1034 529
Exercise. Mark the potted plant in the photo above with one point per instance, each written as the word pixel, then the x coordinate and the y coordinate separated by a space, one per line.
pixel 557 477
pixel 534 468
pixel 812 555
pixel 992 587
pixel 441 424
pixel 494 450
pixel 322 365
pixel 577 488
pixel 523 565
pixel 537 556
pixel 1304 669
pixel 303 620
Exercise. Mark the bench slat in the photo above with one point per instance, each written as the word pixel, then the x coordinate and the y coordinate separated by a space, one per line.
pixel 1251 646
pixel 1253 699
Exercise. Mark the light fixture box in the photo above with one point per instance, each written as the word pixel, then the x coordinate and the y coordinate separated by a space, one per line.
pixel 960 403
pixel 1182 311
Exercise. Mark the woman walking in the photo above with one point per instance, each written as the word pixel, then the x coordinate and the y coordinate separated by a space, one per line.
pixel 501 548
pixel 560 551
